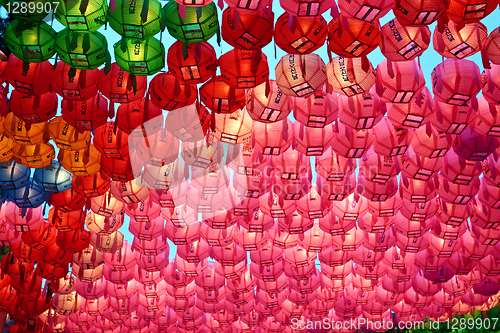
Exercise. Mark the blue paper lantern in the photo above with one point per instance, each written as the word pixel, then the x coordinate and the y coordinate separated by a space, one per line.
pixel 13 176
pixel 53 178
pixel 30 196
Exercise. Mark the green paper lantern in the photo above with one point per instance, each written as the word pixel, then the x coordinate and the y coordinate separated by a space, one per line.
pixel 31 11
pixel 31 42
pixel 70 14
pixel 81 50
pixel 140 57
pixel 198 25
pixel 136 19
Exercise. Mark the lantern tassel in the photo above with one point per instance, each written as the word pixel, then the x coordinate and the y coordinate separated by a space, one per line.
pixel 144 11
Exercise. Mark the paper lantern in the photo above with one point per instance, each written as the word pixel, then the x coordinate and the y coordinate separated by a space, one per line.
pixel 412 114
pixel 199 65
pixel 30 196
pixel 84 162
pixel 486 120
pixel 350 76
pixel 70 49
pixel 141 20
pixel 461 43
pixel 218 96
pixel 402 43
pixel 33 109
pixel 244 68
pixel 85 115
pixel 492 47
pixel 65 136
pixel 32 79
pixel 273 138
pixel 68 200
pixel 367 11
pixel 351 37
pixel 419 12
pixel 362 111
pixel 118 85
pixel 469 10
pixel 389 140
pixel 80 85
pixel 53 178
pixel 246 30
pixel 490 84
pixel 312 141
pixel 317 110
pixel 111 142
pixel 305 8
pixel 138 117
pixel 308 35
pixel 270 108
pixel 30 42
pixel 427 142
pixel 140 57
pixel 419 167
pixel 170 99
pixel 453 119
pixel 251 5
pixel 351 143
pixel 91 18
pixel 191 27
pixel 300 75
pixel 106 205
pixel 390 85
pixel 91 186
pixel 233 128
pixel 471 145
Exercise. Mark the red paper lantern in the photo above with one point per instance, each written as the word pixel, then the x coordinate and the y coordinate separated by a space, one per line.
pixel 317 110
pixel 274 138
pixel 492 47
pixel 219 96
pixel 362 111
pixel 138 117
pixel 28 77
pixel 462 42
pixel 170 99
pixel 467 11
pixel 418 12
pixel 308 34
pixel 74 84
pixel 365 10
pixel 85 115
pixel 121 87
pixel 351 38
pixel 399 82
pixel 33 109
pixel 351 143
pixel 389 140
pixel 199 65
pixel 402 43
pixel 248 5
pixel 243 68
pixel 247 30
pixel 306 8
